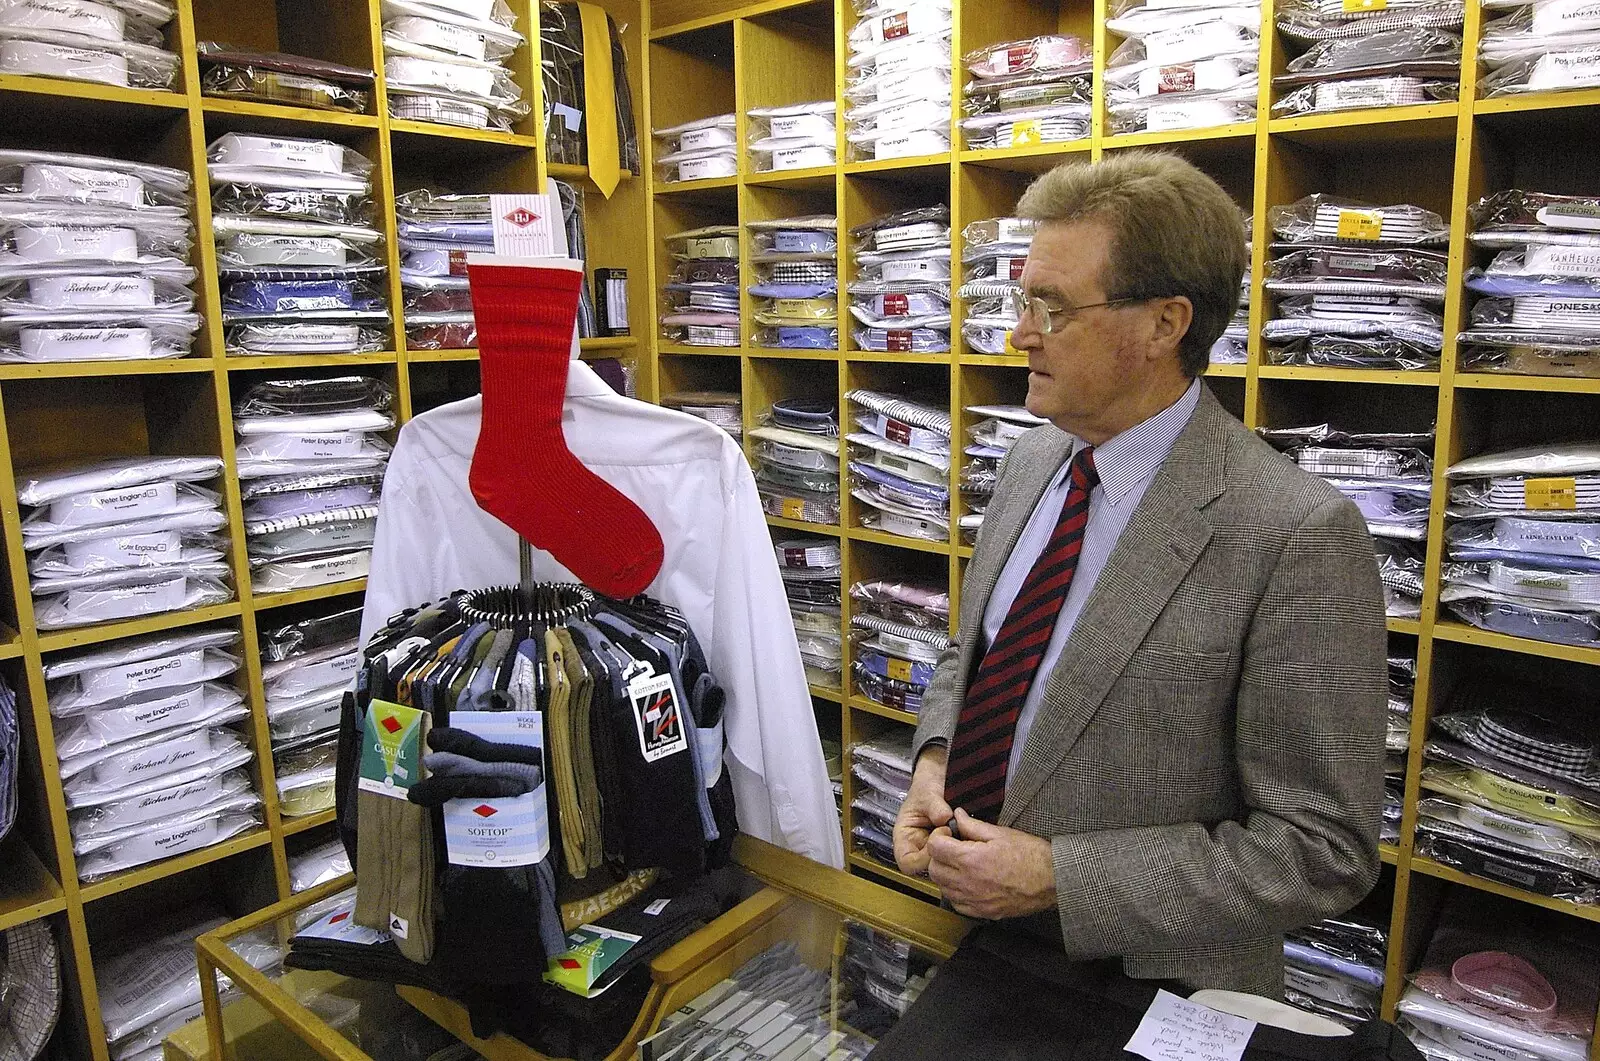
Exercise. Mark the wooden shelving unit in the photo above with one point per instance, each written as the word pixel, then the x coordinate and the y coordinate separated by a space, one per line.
pixel 710 57
pixel 87 410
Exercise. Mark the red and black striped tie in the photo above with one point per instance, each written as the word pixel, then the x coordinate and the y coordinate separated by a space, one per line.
pixel 981 750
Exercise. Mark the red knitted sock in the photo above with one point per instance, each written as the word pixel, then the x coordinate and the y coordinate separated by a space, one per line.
pixel 522 473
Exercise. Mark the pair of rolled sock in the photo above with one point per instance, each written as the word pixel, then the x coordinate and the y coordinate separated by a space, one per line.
pixel 465 766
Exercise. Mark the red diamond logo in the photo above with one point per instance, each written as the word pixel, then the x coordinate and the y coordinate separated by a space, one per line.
pixel 336 918
pixel 483 810
pixel 390 723
pixel 522 217
pixel 568 963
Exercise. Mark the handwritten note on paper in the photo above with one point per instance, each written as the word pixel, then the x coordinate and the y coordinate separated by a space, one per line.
pixel 1175 1029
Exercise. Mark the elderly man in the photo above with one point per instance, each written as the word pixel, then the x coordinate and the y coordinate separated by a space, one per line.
pixel 1159 736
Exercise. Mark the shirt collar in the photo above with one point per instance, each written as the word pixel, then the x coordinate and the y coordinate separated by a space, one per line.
pixel 585 382
pixel 1134 456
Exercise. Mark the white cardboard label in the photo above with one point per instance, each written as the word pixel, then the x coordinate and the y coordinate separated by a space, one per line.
pixel 658 717
pixel 337 444
pixel 508 831
pixel 115 506
pixel 128 551
pixel 1175 1029
pixel 175 841
pixel 1573 69
pixel 49 181
pixel 154 761
pixel 698 139
pixel 135 600
pixel 1563 261
pixel 92 292
pixel 329 672
pixel 185 668
pixel 524 226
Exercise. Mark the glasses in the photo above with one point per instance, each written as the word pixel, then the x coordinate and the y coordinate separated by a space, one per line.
pixel 1048 318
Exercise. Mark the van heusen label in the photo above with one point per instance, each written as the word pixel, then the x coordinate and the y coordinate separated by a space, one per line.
pixel 115 506
pixel 131 550
pixel 1563 261
pixel 185 668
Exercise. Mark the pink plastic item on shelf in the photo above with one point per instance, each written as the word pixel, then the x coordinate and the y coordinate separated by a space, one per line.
pixel 1505 982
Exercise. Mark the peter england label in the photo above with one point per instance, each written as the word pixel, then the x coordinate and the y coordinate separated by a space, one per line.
pixel 1566 69
pixel 329 672
pixel 130 550
pixel 89 185
pixel 696 139
pixel 116 505
pixel 132 600
pixel 186 668
pixel 176 841
pixel 123 722
pixel 340 444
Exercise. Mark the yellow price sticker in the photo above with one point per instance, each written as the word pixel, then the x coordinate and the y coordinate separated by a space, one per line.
pixel 1361 224
pixel 1352 7
pixel 1029 133
pixel 1550 493
pixel 794 508
pixel 899 670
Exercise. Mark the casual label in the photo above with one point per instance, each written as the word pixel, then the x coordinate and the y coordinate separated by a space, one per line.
pixel 186 668
pixel 523 226
pixel 1563 261
pixel 507 830
pixel 391 749
pixel 48 181
pixel 657 717
pixel 1027 133
pixel 591 950
pixel 794 508
pixel 1175 1029
pixel 1550 494
pixel 129 551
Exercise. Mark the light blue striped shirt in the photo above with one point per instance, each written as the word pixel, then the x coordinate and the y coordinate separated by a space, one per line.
pixel 1127 465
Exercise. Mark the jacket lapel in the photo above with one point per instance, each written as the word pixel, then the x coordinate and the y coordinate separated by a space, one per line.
pixel 1163 540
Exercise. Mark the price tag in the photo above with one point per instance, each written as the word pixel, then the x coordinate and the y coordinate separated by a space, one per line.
pixel 1550 494
pixel 794 508
pixel 1360 224
pixel 1027 133
pixel 900 670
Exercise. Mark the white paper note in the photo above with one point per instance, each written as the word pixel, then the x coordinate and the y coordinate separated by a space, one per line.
pixel 1175 1029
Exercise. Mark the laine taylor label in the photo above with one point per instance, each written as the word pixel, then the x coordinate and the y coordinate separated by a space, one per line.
pixel 130 550
pixel 1565 16
pixel 115 506
pixel 186 668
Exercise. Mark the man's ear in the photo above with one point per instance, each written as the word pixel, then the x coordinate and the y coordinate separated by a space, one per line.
pixel 1170 324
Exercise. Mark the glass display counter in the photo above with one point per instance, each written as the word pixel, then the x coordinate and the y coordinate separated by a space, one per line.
pixel 811 964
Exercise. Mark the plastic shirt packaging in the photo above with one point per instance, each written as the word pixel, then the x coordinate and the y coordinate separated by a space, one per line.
pixel 90 180
pixel 306 776
pixel 118 43
pixel 273 77
pixel 698 150
pixel 899 95
pixel 1182 68
pixel 1381 69
pixel 719 408
pixel 447 65
pixel 317 865
pixel 1550 45
pixel 169 837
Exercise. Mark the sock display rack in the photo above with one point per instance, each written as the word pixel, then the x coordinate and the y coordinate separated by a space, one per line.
pixel 63 413
pixel 706 59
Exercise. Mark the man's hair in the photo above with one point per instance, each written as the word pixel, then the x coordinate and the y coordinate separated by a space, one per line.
pixel 1174 232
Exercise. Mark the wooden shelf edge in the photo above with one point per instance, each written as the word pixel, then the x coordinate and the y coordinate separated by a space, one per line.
pixel 1341 120
pixel 1389 853
pixel 1461 633
pixel 493 137
pixel 1242 131
pixel 136 878
pixel 830 529
pixel 1350 375
pixel 216 105
pixel 861 703
pixel 70 369
pixel 28 891
pixel 94 635
pixel 89 90
pixel 865 534
pixel 1511 382
pixel 822 692
pixel 872 865
pixel 609 342
pixel 296 361
pixel 1404 626
pixel 266 602
pixel 1523 103
pixel 1430 868
pixel 708 184
pixel 427 356
pixel 293 826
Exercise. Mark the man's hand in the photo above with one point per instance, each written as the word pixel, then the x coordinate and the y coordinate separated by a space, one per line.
pixel 923 812
pixel 990 872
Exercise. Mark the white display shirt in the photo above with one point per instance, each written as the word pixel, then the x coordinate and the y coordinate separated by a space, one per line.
pixel 694 484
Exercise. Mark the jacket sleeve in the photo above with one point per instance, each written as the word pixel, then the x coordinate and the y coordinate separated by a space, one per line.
pixel 1310 750
pixel 781 788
